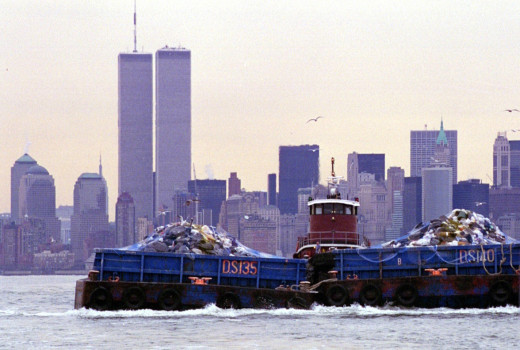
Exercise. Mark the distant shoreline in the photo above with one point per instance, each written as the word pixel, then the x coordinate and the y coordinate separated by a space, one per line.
pixel 38 273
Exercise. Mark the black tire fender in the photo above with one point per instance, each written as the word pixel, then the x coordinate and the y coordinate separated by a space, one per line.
pixel 336 295
pixel 370 295
pixel 229 301
pixel 406 295
pixel 134 298
pixel 169 300
pixel 500 293
pixel 100 299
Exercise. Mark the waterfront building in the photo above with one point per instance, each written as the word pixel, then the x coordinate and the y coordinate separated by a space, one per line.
pixel 20 167
pixel 298 168
pixel 422 149
pixel 64 212
pixel 135 130
pixel 173 123
pixel 90 217
pixel 37 200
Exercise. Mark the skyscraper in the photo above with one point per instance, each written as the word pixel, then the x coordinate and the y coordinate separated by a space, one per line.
pixel 135 121
pixel 18 170
pixel 90 213
pixel 437 192
pixel 210 195
pixel 422 149
pixel 412 202
pixel 298 168
pixel 472 195
pixel 372 163
pixel 514 148
pixel 233 184
pixel 37 200
pixel 173 122
pixel 125 220
pixel 271 189
pixel 501 161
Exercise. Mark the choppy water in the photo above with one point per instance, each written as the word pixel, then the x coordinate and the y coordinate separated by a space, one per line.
pixel 36 312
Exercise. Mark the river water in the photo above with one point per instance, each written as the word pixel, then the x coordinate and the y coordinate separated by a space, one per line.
pixel 37 312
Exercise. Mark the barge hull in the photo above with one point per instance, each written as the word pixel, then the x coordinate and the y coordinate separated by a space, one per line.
pixel 108 295
pixel 462 291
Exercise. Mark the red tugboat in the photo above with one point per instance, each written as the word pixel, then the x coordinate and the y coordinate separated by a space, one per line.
pixel 333 223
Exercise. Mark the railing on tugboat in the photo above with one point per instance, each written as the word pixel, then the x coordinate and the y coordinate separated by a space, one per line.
pixel 329 238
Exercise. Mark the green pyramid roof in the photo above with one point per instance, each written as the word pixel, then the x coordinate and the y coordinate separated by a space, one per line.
pixel 442 139
pixel 26 159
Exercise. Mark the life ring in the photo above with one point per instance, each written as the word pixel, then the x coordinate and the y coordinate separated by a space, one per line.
pixel 406 295
pixel 113 279
pixel 370 295
pixel 169 300
pixel 500 293
pixel 134 298
pixel 229 301
pixel 337 295
pixel 297 303
pixel 100 299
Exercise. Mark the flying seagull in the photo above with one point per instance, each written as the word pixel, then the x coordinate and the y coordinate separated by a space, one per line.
pixel 314 119
pixel 511 110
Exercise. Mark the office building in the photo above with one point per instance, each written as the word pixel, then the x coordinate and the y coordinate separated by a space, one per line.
pixel 271 190
pixel 422 150
pixel 298 168
pixel 90 217
pixel 472 195
pixel 412 202
pixel 233 185
pixel 173 123
pixel 37 200
pixel 125 220
pixel 372 163
pixel 210 195
pixel 437 192
pixel 135 125
pixel 501 161
pixel 514 149
pixel 18 170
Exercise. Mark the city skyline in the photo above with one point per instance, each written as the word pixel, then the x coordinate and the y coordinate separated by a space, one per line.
pixel 374 71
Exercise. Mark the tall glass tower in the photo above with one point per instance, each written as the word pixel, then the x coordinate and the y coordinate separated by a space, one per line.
pixel 135 124
pixel 422 150
pixel 299 168
pixel 173 123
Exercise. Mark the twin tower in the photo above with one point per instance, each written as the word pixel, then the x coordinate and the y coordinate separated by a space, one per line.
pixel 136 125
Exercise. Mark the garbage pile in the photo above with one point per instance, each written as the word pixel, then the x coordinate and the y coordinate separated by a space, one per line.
pixel 186 238
pixel 460 227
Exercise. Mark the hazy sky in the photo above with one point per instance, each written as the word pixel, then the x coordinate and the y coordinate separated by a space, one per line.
pixel 260 69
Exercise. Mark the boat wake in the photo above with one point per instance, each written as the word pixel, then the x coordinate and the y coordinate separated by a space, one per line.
pixel 213 311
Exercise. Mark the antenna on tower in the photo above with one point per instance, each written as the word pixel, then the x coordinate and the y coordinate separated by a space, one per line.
pixel 135 26
pixel 100 166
